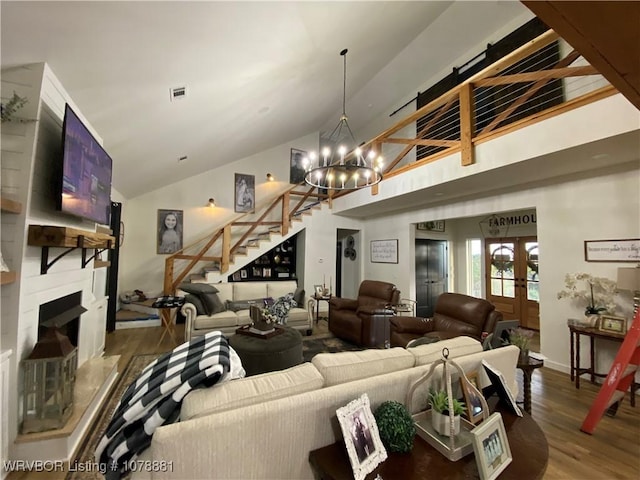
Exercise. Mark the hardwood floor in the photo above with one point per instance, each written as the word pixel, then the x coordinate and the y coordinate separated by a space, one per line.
pixel 612 452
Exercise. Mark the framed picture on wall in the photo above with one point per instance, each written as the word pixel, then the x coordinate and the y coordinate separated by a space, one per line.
pixel 169 231
pixel 296 166
pixel 245 193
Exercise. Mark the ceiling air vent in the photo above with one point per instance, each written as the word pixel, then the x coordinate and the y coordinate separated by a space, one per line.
pixel 178 93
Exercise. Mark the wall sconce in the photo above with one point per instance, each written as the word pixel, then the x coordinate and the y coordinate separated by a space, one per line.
pixel 270 177
pixel 211 203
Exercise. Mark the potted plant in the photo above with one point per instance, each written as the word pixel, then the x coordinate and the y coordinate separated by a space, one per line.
pixel 396 426
pixel 598 294
pixel 521 338
pixel 440 418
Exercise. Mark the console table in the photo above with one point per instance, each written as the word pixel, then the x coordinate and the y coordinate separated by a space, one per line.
pixel 576 370
pixel 528 444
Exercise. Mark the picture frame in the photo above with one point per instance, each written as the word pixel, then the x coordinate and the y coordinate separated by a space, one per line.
pixel 491 447
pixel 361 436
pixel 244 199
pixel 384 251
pixel 613 251
pixel 318 291
pixel 170 228
pixel 243 273
pixel 296 166
pixel 611 324
pixel 433 226
pixel 472 398
pixel 499 385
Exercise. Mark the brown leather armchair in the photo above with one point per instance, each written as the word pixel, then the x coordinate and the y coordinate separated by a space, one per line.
pixel 455 315
pixel 351 319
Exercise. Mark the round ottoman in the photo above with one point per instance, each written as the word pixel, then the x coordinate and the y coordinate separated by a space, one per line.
pixel 261 355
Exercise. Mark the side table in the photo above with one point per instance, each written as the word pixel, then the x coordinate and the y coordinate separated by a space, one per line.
pixel 529 449
pixel 576 370
pixel 169 306
pixel 324 298
pixel 527 368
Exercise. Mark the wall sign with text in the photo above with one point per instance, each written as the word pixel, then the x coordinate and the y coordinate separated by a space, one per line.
pixel 612 250
pixel 435 226
pixel 384 251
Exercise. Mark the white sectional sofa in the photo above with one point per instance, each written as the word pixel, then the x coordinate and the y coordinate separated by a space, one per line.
pixel 228 321
pixel 264 427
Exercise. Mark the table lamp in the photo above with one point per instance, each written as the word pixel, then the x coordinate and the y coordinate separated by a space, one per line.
pixel 629 279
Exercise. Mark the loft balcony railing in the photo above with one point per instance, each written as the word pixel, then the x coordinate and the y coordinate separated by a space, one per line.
pixel 514 92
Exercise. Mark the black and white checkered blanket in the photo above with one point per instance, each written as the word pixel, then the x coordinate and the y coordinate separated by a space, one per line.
pixel 154 398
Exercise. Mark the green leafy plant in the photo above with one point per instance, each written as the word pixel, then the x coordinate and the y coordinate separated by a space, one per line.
pixel 440 403
pixel 396 426
pixel 8 109
pixel 520 338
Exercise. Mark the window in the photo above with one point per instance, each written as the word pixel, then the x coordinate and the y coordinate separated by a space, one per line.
pixel 474 267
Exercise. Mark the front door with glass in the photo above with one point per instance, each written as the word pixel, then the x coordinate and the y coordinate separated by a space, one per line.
pixel 513 279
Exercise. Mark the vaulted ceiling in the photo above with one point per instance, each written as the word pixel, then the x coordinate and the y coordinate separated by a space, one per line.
pixel 258 74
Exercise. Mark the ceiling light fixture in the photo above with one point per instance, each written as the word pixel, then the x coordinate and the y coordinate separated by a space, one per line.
pixel 348 167
pixel 211 203
pixel 270 177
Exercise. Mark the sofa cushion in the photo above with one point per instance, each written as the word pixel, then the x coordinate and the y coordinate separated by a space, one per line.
pixel 298 296
pixel 251 390
pixel 458 346
pixel 216 321
pixel 198 288
pixel 237 305
pixel 345 367
pixel 249 290
pixel 196 302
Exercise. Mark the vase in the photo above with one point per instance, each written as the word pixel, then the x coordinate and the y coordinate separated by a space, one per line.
pixel 591 320
pixel 523 357
pixel 442 423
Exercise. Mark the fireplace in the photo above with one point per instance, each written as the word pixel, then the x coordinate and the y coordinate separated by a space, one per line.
pixel 64 314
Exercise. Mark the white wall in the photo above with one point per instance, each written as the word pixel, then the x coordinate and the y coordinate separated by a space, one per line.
pixel 33 183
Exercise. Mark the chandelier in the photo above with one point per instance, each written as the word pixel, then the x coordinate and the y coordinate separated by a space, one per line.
pixel 348 166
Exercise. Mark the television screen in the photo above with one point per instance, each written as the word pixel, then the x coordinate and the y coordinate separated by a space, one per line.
pixel 86 172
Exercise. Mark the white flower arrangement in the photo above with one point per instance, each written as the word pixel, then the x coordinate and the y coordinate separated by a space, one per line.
pixel 598 292
pixel 268 317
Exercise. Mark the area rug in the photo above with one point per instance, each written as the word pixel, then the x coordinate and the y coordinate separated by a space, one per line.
pixel 324 342
pixel 84 467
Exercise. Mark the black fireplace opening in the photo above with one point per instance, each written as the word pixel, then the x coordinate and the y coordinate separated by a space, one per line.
pixel 64 314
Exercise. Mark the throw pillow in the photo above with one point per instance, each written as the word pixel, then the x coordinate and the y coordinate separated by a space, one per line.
pixel 196 302
pixel 281 307
pixel 237 305
pixel 212 303
pixel 298 296
pixel 198 288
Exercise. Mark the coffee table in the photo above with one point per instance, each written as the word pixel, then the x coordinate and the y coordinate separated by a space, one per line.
pixel 528 444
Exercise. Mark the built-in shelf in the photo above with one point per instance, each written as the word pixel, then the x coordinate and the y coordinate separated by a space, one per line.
pixel 47 236
pixel 10 206
pixel 7 277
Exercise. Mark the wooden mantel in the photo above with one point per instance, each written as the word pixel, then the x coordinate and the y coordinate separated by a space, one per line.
pixel 49 236
pixel 46 236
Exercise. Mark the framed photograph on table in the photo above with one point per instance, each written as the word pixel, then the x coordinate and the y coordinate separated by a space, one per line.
pixel 318 291
pixel 491 447
pixel 611 324
pixel 472 398
pixel 361 437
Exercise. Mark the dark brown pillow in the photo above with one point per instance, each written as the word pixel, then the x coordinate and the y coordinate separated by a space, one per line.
pixel 196 302
pixel 212 303
pixel 198 288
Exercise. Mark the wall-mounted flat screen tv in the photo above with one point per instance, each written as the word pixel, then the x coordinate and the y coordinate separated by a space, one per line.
pixel 86 172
